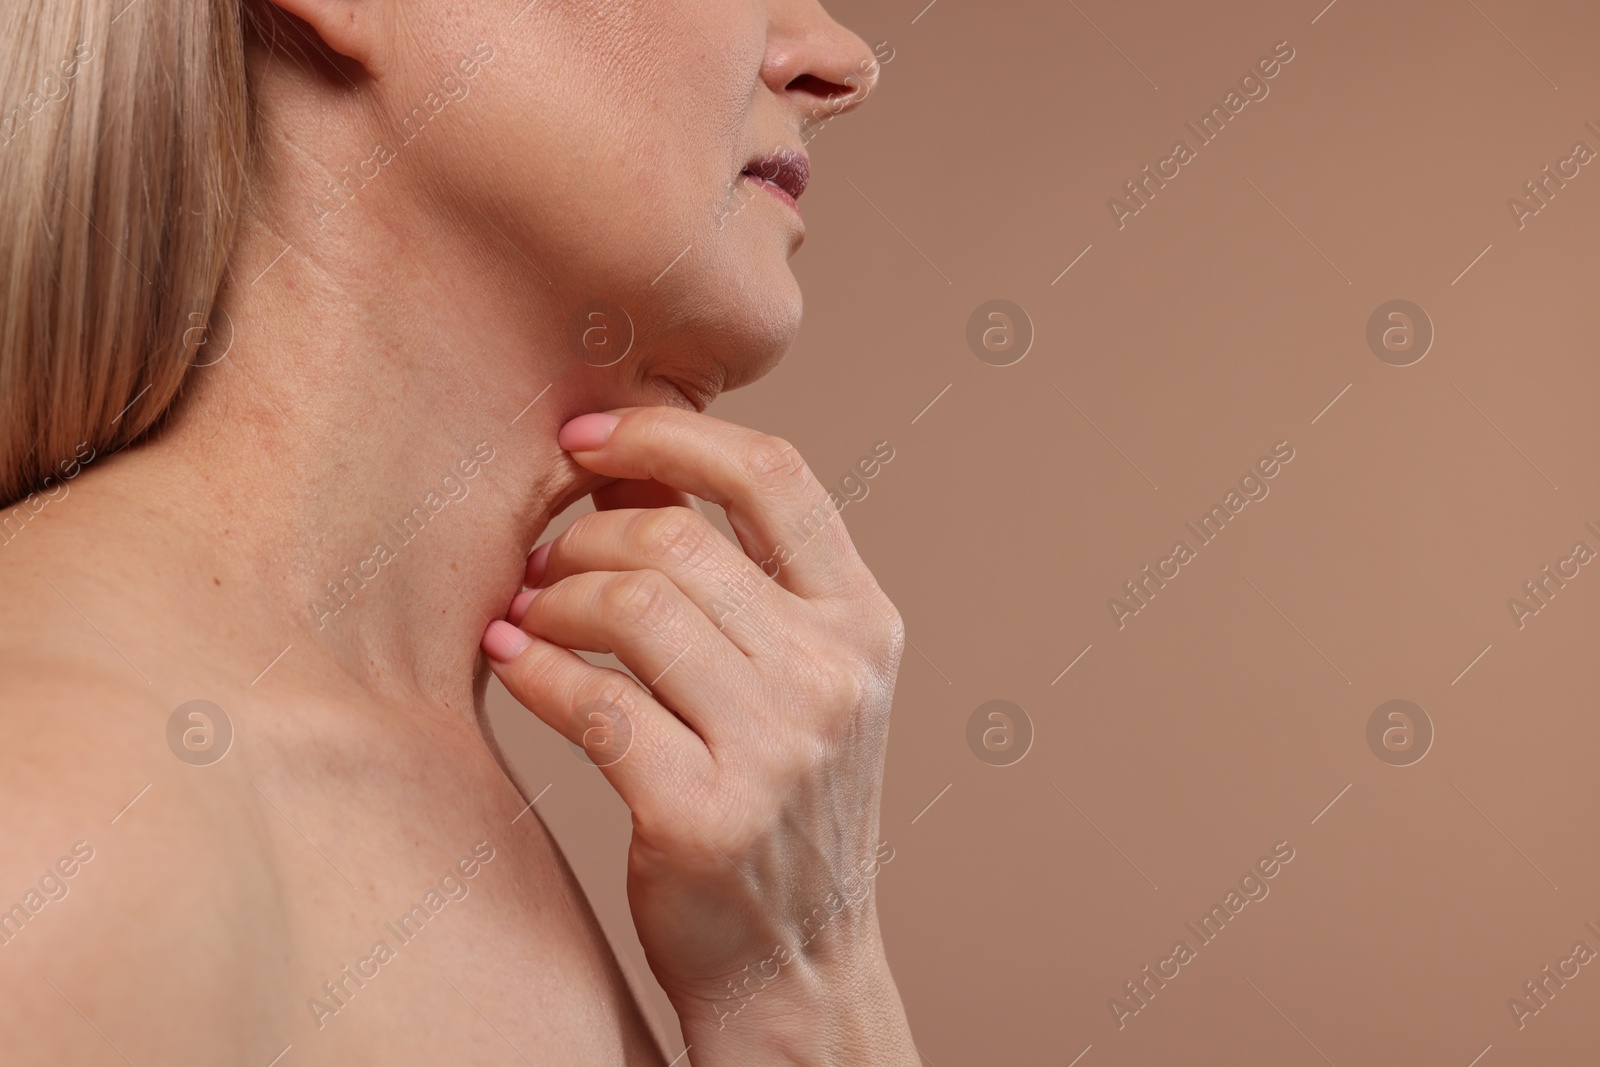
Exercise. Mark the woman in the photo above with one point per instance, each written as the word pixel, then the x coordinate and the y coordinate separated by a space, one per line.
pixel 316 313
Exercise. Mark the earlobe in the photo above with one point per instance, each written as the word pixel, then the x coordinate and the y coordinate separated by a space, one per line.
pixel 347 27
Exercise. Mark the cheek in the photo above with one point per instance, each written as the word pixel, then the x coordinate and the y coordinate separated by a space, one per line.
pixel 622 161
pixel 610 138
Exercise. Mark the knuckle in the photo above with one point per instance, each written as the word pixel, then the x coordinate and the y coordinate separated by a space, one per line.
pixel 895 631
pixel 611 690
pixel 835 686
pixel 638 597
pixel 784 770
pixel 773 461
pixel 880 620
pixel 535 672
pixel 846 687
pixel 675 535
pixel 604 713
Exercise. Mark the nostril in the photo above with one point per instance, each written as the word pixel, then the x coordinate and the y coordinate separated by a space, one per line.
pixel 821 88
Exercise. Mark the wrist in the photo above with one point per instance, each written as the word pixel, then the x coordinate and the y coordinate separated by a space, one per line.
pixel 802 1005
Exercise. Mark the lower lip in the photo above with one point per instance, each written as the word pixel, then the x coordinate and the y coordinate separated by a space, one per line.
pixel 776 190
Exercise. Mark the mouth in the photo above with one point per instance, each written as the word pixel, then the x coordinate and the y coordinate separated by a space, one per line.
pixel 784 172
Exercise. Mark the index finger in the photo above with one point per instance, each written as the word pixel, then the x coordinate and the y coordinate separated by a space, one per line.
pixel 785 520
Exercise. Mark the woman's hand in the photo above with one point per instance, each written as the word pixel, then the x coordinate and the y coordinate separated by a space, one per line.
pixel 752 757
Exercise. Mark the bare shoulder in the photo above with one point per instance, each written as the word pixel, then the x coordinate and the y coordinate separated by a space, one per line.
pixel 136 907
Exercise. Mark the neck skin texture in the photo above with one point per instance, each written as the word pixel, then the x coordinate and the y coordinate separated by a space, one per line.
pixel 364 366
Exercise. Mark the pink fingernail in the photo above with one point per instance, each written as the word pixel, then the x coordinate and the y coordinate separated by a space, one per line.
pixel 536 564
pixel 504 642
pixel 587 432
pixel 519 606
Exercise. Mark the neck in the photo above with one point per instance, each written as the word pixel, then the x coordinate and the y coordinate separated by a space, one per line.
pixel 360 478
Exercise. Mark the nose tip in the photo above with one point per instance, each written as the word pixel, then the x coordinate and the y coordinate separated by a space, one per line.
pixel 828 100
pixel 861 84
pixel 862 75
pixel 823 67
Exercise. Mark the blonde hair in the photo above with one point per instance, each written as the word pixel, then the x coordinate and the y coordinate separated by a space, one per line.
pixel 123 142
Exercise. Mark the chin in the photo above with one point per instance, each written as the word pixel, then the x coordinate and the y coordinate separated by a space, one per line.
pixel 720 330
pixel 767 328
pixel 740 334
pixel 763 351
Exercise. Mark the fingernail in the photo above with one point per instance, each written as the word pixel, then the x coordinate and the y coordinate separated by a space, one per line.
pixel 519 606
pixel 587 432
pixel 537 561
pixel 504 642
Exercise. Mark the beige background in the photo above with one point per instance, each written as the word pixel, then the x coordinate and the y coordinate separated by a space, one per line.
pixel 1227 716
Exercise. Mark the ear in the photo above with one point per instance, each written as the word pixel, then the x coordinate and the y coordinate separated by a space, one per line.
pixel 349 28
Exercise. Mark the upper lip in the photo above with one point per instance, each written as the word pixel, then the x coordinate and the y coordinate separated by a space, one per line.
pixel 787 168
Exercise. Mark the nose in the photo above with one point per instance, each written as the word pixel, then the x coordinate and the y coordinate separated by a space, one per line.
pixel 822 69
